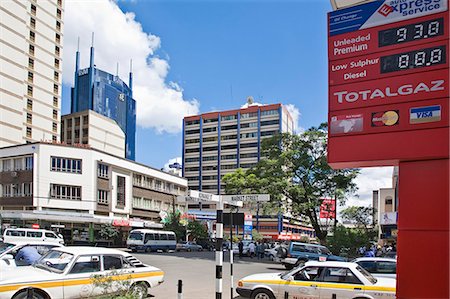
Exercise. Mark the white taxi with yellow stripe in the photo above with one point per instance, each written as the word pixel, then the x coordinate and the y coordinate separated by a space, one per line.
pixel 68 272
pixel 318 280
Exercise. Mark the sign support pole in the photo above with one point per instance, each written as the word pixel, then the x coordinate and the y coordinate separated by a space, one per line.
pixel 231 251
pixel 219 249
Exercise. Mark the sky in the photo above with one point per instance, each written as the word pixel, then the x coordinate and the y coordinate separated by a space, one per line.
pixel 197 56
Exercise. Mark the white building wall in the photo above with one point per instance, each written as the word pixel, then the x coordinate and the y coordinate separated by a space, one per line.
pixel 15 42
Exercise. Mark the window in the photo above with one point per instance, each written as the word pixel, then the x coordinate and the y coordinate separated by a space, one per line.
pixel 120 191
pixel 192 122
pixel 229 146
pixel 171 237
pixel 54 138
pixel 191 169
pixel 228 117
pixel 85 119
pixel 269 133
pixel 6 190
pixel 77 122
pixel 209 158
pixel 34 234
pixel 30 63
pixel 30 77
pixel 188 141
pixel 65 165
pixel 247 145
pixel 386 267
pixel 269 112
pixel 50 235
pixel 207 130
pixel 249 125
pixel 57 38
pixel 65 192
pixel 60 3
pixel 340 275
pixel 56 63
pixel 28 132
pixel 55 88
pixel 28 163
pixel 249 135
pixel 210 148
pixel 248 115
pixel 55 76
pixel 57 50
pixel 33 23
pixel 249 155
pixel 112 262
pixel 30 90
pixel 229 127
pixel 58 13
pixel 308 274
pixel 27 189
pixel 192 150
pixel 55 114
pixel 29 104
pixel 31 50
pixel 195 131
pixel 270 122
pixel 388 201
pixel 58 25
pixel 6 165
pixel 209 177
pixel 102 171
pixel 163 237
pixel 55 127
pixel 55 104
pixel 210 139
pixel 33 9
pixel 102 196
pixel 211 167
pixel 229 166
pixel 29 118
pixel 228 137
pixel 18 164
pixel 196 159
pixel 32 36
pixel 247 165
pixel 149 237
pixel 228 157
pixel 86 264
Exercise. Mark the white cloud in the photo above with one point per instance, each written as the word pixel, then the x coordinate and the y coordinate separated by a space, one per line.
pixel 370 179
pixel 119 38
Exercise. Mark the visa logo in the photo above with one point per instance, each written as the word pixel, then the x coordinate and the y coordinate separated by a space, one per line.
pixel 419 115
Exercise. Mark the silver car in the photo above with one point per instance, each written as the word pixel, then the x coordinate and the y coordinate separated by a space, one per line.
pixel 379 266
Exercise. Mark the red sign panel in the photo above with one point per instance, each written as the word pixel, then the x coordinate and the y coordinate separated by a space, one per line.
pixel 421 86
pixel 397 62
pixel 328 209
pixel 387 37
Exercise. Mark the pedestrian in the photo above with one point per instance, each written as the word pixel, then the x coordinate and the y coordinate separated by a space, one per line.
pixel 369 252
pixel 251 249
pixel 27 256
pixel 259 251
pixel 241 248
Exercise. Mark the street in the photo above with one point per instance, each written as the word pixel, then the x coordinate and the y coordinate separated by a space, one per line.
pixel 197 271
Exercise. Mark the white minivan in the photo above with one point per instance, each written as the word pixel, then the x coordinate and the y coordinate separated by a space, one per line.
pixel 14 235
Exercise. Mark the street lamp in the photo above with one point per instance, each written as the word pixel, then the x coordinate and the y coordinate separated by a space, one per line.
pixel 339 4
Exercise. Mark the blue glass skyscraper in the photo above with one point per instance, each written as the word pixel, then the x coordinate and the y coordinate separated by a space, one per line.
pixel 108 95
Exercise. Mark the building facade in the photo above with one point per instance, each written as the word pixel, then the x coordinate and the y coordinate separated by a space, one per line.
pixel 77 189
pixel 98 131
pixel 107 95
pixel 218 143
pixel 31 45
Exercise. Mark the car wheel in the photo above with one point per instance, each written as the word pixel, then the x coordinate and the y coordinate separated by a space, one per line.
pixel 188 250
pixel 200 249
pixel 139 290
pixel 262 294
pixel 24 295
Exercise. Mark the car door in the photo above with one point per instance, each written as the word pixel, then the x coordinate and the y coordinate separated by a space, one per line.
pixel 340 283
pixel 304 284
pixel 122 273
pixel 83 279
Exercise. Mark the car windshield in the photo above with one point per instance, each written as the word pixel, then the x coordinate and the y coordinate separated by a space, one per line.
pixel 366 274
pixel 136 236
pixel 54 261
pixel 4 247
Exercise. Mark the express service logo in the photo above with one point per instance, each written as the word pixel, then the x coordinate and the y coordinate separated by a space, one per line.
pixel 385 10
pixel 385 118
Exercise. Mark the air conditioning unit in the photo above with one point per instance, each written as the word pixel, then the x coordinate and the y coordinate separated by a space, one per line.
pixel 14 174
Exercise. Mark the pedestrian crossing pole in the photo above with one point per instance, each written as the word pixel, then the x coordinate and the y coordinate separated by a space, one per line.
pixel 219 250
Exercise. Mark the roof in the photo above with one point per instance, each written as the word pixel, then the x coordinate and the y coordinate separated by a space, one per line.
pixel 381 259
pixel 82 250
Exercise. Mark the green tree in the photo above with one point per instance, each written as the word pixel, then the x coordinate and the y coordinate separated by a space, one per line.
pixel 197 230
pixel 172 222
pixel 256 236
pixel 295 172
pixel 346 241
pixel 361 217
pixel 108 232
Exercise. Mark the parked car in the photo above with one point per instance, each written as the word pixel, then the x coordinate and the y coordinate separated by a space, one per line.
pixel 378 266
pixel 245 250
pixel 318 280
pixel 207 244
pixel 67 272
pixel 276 253
pixel 12 235
pixel 188 246
pixel 8 252
pixel 301 252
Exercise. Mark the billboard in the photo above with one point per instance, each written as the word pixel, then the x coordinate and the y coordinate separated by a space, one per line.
pixel 328 209
pixel 388 83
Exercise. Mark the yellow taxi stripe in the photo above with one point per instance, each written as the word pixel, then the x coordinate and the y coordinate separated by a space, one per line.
pixel 74 282
pixel 323 285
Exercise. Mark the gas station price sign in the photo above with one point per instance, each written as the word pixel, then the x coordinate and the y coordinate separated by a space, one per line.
pixel 408 33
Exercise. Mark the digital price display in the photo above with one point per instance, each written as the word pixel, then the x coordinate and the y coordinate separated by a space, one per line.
pixel 413 59
pixel 375 66
pixel 411 32
pixel 408 33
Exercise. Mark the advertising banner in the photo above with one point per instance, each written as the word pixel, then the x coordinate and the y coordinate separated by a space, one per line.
pixel 381 12
pixel 421 86
pixel 328 209
pixel 388 218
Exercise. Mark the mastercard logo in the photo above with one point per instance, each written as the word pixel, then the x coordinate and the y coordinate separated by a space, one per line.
pixel 386 118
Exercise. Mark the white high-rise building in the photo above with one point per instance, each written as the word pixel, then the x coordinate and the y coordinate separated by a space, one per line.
pixel 31 35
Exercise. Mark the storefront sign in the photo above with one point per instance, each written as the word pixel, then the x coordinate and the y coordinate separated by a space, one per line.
pixel 121 222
